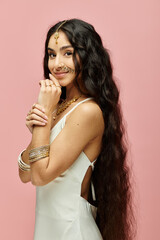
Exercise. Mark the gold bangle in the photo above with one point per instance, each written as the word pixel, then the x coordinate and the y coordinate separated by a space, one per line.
pixel 39 153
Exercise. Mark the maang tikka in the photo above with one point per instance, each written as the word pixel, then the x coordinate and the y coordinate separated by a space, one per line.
pixel 56 35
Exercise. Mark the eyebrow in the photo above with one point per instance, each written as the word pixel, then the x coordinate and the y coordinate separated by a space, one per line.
pixel 62 48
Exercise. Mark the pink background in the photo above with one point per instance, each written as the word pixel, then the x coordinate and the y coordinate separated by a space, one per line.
pixel 130 29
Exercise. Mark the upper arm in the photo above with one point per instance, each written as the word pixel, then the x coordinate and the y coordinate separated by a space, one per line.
pixel 84 124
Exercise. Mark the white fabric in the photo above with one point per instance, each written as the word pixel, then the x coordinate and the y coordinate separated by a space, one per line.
pixel 61 212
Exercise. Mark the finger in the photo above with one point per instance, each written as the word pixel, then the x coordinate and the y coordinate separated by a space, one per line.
pixel 55 81
pixel 29 113
pixel 42 84
pixel 35 122
pixel 39 107
pixel 35 117
pixel 27 118
pixel 48 83
pixel 56 84
pixel 40 120
pixel 33 106
pixel 39 114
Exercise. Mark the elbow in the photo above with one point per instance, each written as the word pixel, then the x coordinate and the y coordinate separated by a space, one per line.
pixel 39 173
pixel 41 179
pixel 25 180
pixel 42 175
pixel 37 180
pixel 37 183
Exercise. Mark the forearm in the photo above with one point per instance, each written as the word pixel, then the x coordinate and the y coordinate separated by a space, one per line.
pixel 40 137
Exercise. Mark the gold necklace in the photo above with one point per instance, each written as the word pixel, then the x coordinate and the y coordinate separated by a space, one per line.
pixel 64 105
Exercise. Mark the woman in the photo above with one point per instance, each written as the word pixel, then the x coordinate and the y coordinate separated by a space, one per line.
pixel 71 138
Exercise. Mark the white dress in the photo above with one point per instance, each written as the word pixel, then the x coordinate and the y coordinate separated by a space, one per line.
pixel 61 212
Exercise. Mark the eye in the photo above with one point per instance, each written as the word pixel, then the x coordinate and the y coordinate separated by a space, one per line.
pixel 52 55
pixel 68 53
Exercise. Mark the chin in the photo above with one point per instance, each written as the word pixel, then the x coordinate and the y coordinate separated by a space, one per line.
pixel 65 82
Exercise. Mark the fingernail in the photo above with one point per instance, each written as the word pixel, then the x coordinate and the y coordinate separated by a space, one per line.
pixel 50 75
pixel 46 117
pixel 43 109
pixel 45 121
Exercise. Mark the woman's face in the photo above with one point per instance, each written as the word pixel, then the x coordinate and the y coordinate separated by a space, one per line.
pixel 60 62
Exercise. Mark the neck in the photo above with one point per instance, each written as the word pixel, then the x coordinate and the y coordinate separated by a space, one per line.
pixel 72 92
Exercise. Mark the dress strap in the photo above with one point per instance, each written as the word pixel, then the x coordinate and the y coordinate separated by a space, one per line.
pixel 78 105
pixel 93 192
pixel 92 186
pixel 92 164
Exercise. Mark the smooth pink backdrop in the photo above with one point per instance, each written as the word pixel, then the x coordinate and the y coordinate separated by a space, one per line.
pixel 131 30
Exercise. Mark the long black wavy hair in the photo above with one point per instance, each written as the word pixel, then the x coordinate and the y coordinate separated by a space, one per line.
pixel 111 175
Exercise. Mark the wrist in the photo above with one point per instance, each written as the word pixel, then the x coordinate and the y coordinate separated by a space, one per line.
pixel 49 111
pixel 49 114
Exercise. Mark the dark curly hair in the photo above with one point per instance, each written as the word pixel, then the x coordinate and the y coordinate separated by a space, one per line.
pixel 111 176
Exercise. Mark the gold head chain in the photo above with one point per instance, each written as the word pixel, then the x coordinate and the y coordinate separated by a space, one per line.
pixel 56 35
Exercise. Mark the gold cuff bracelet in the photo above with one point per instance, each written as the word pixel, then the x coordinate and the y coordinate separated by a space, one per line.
pixel 39 153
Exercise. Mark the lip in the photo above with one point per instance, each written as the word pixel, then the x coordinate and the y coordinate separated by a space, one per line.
pixel 60 74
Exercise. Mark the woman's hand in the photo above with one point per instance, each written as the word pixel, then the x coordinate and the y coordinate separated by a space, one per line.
pixel 49 94
pixel 36 116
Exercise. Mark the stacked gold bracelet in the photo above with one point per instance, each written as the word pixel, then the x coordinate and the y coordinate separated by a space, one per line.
pixel 39 153
pixel 22 165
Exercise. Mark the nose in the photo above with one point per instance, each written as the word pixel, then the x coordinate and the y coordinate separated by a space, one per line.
pixel 58 64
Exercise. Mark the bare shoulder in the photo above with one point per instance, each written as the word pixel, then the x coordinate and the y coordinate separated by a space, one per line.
pixel 88 114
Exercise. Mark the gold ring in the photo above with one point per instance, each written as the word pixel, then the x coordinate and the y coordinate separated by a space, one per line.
pixel 58 86
pixel 34 105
